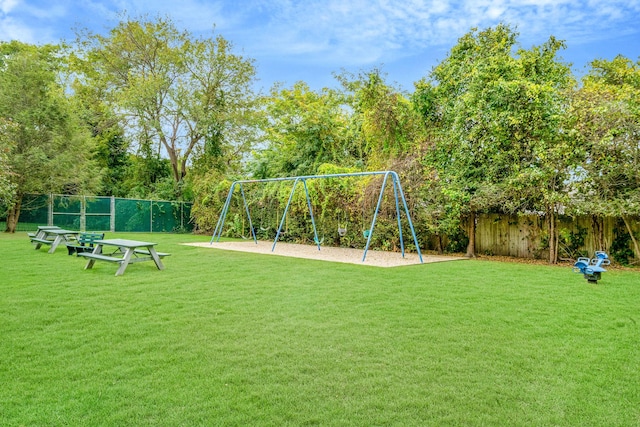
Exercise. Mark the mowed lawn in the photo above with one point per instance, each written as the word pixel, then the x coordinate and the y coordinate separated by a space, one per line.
pixel 233 339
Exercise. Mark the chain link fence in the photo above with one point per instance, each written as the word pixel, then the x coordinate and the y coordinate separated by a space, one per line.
pixel 97 213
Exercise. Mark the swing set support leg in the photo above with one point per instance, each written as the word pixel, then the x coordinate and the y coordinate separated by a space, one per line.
pixel 398 194
pixel 217 233
pixel 406 211
pixel 375 216
pixel 395 195
pixel 246 208
pixel 284 214
pixel 313 221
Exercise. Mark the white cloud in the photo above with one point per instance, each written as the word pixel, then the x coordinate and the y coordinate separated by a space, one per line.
pixel 356 31
pixel 12 30
pixel 193 15
pixel 333 32
pixel 7 6
pixel 348 32
pixel 21 20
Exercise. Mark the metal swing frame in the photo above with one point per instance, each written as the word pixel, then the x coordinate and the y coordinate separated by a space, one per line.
pixel 398 195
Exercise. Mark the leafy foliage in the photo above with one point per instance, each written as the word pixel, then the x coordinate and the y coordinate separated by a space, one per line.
pixel 46 146
pixel 605 115
pixel 497 143
pixel 304 130
pixel 176 95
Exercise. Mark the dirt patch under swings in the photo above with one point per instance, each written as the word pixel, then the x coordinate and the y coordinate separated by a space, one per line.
pixel 328 253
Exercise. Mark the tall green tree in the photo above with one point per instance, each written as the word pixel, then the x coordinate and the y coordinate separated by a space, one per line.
pixel 303 130
pixel 48 149
pixel 466 155
pixel 605 116
pixel 7 142
pixel 387 125
pixel 112 146
pixel 184 96
pixel 546 152
pixel 496 109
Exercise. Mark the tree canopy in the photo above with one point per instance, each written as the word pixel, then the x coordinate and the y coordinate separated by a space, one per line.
pixel 496 109
pixel 176 96
pixel 605 114
pixel 45 145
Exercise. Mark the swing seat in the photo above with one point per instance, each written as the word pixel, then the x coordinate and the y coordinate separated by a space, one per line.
pixel 342 232
pixel 366 233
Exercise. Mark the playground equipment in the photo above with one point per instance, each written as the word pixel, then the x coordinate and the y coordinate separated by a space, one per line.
pixel 398 195
pixel 592 268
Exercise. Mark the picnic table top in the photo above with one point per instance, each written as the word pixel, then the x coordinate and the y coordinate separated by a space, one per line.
pixel 60 231
pixel 124 243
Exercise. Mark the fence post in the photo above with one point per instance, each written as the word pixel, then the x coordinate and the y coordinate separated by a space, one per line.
pixel 50 210
pixel 83 213
pixel 112 216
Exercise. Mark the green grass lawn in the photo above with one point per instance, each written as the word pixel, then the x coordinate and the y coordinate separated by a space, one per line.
pixel 236 339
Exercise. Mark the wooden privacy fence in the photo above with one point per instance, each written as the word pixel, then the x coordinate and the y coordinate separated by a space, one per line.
pixel 525 236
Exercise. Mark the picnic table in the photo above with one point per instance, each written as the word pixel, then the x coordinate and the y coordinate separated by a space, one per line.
pixel 52 236
pixel 40 233
pixel 126 252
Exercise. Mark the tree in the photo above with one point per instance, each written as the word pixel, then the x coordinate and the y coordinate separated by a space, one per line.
pixel 387 124
pixel 496 110
pixel 7 141
pixel 111 153
pixel 466 153
pixel 546 153
pixel 48 150
pixel 605 115
pixel 304 129
pixel 179 94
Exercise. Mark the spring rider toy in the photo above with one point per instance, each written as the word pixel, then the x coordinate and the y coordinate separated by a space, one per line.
pixel 592 268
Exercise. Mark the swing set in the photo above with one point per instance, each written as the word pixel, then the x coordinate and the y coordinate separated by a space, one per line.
pixel 398 195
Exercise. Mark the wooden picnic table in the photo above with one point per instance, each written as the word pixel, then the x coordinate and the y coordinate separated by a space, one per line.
pixel 52 236
pixel 126 252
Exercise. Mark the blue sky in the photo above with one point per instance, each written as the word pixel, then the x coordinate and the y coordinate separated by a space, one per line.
pixel 307 40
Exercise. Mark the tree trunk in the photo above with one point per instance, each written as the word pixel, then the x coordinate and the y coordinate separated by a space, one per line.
pixel 636 249
pixel 439 245
pixel 471 231
pixel 171 152
pixel 597 222
pixel 12 216
pixel 553 235
pixel 173 158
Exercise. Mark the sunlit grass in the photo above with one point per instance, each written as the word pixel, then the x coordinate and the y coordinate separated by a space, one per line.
pixel 228 338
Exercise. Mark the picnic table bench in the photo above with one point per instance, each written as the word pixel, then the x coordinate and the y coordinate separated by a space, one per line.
pixel 41 241
pixel 146 252
pixel 100 257
pixel 84 242
pixel 130 250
